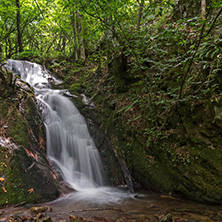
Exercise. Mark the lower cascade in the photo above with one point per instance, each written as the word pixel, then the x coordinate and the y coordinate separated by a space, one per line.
pixel 69 144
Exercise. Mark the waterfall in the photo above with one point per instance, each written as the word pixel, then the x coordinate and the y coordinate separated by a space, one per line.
pixel 69 143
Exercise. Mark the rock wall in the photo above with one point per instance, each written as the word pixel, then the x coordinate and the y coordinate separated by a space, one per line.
pixel 115 168
pixel 182 157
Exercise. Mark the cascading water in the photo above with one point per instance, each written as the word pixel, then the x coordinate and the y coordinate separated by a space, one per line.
pixel 69 143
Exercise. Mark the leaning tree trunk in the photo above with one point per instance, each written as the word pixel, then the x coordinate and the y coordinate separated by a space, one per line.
pixel 19 34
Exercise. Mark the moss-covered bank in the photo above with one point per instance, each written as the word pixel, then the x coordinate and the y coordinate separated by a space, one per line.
pixel 24 170
pixel 184 157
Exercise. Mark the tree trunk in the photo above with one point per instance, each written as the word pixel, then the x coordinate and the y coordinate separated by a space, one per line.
pixel 19 34
pixel 8 40
pixel 203 8
pixel 73 23
pixel 81 48
pixel 79 29
pixel 1 53
pixel 63 43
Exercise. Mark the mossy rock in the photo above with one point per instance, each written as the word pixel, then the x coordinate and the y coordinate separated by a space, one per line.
pixel 27 179
pixel 188 162
pixel 26 173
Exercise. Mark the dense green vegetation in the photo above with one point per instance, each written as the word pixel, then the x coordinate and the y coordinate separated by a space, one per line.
pixel 152 67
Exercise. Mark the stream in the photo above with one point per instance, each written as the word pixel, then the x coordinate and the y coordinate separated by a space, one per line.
pixel 72 151
pixel 147 208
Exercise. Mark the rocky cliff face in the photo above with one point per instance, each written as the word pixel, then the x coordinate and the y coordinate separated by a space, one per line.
pixel 170 143
pixel 183 158
pixel 25 174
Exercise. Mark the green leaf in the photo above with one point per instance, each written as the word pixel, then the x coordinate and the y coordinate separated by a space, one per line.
pixel 129 107
pixel 138 117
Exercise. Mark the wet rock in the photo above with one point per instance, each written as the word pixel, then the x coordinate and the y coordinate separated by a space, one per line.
pixel 23 85
pixel 47 219
pixel 73 218
pixel 37 210
pixel 143 219
pixel 87 101
pixel 64 187
pixel 167 218
pixel 98 219
pixel 140 219
pixel 23 218
pixel 15 219
pixel 114 167
pixel 121 219
pixel 38 216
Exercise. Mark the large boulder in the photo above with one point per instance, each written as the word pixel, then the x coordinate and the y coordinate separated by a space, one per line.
pixel 25 174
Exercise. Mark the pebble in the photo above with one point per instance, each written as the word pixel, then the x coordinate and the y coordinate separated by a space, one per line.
pixel 37 210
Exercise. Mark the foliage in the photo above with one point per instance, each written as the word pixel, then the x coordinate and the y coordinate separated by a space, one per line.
pixel 75 87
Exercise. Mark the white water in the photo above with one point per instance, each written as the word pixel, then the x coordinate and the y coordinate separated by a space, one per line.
pixel 69 144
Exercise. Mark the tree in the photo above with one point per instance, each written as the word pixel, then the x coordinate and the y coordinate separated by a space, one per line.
pixel 19 34
pixel 203 8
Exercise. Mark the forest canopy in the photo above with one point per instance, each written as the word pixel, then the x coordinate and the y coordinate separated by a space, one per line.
pixel 79 28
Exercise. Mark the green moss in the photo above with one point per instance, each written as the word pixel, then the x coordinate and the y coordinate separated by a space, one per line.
pixel 17 126
pixel 74 88
pixel 15 185
pixel 11 191
pixel 21 170
pixel 188 162
pixel 4 108
pixel 19 132
pixel 24 181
